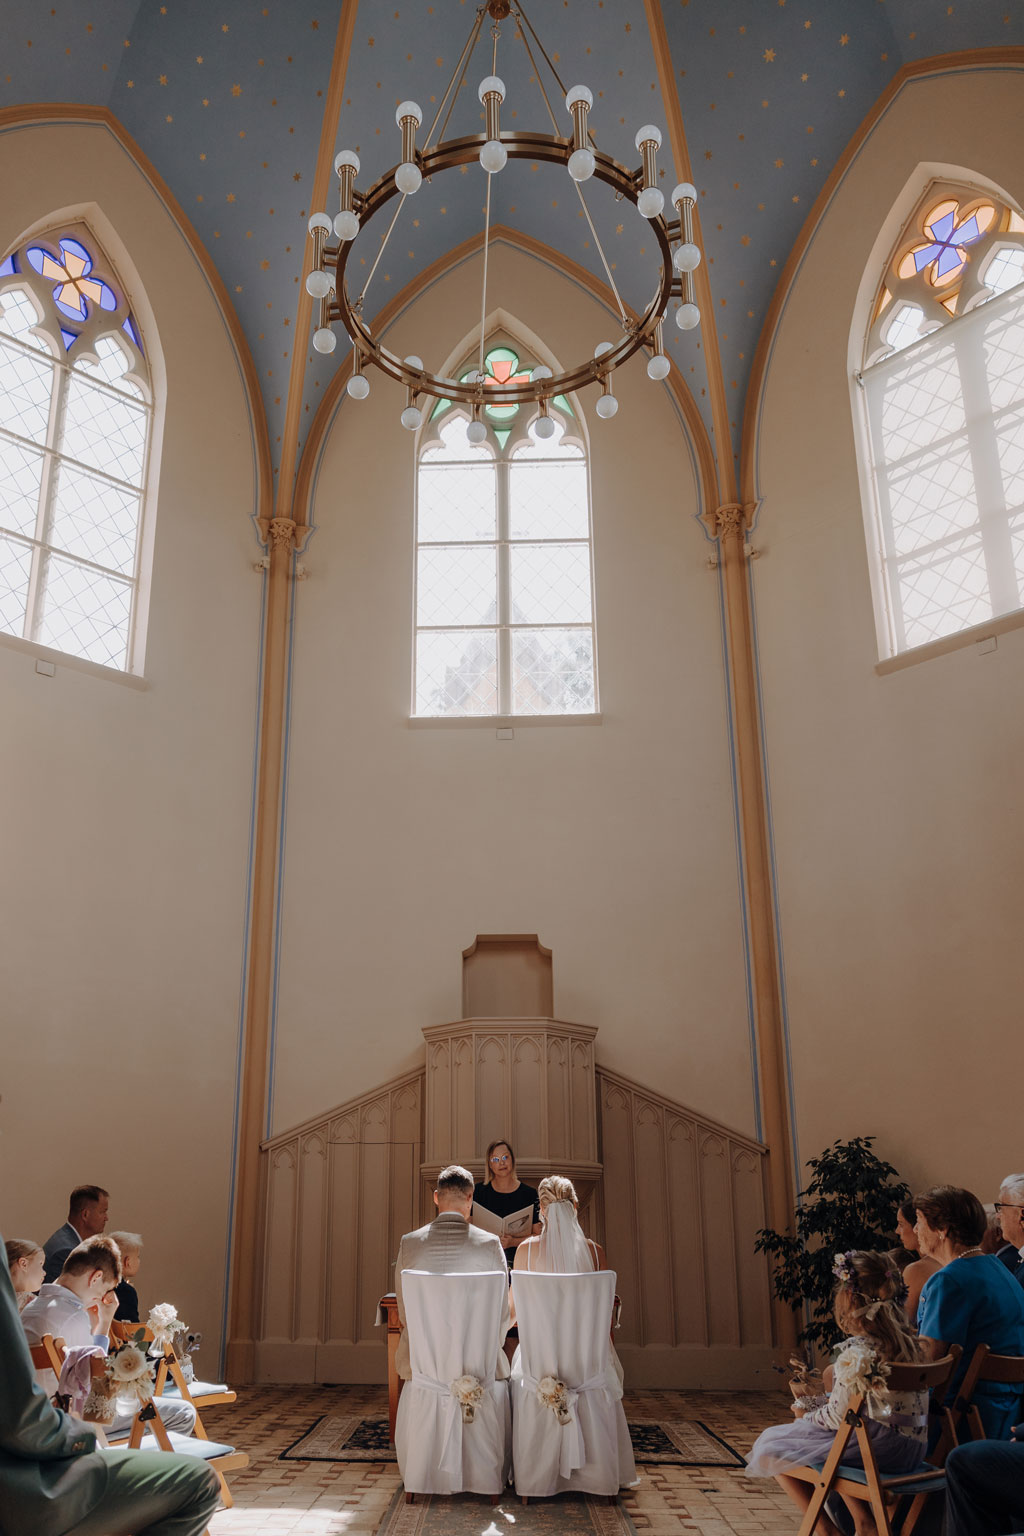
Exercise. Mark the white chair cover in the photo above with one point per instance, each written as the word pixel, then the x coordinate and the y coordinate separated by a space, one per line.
pixel 454 1324
pixel 564 1324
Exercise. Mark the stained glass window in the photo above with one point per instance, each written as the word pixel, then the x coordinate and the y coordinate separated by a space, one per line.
pixel 504 595
pixel 75 423
pixel 944 399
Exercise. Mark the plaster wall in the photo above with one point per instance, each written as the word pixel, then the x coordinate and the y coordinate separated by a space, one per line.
pixel 613 842
pixel 899 857
pixel 127 810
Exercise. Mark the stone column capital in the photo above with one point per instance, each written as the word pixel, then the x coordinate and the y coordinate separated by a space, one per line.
pixel 731 520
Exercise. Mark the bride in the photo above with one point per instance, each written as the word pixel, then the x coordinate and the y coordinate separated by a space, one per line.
pixel 561 1248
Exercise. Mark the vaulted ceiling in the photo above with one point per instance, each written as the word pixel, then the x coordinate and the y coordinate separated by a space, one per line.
pixel 227 99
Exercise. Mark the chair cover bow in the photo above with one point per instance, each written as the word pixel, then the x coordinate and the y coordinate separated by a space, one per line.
pixel 571 1454
pixel 450 1460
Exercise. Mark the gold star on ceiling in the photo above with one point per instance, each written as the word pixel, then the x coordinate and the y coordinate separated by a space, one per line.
pixel 236 90
pixel 844 39
pixel 769 55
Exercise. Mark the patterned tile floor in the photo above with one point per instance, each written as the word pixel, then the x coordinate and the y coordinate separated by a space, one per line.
pixel 291 1498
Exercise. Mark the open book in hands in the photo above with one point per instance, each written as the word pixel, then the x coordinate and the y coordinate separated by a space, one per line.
pixel 518 1224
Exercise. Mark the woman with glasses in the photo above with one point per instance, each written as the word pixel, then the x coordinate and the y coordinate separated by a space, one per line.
pixel 503 1195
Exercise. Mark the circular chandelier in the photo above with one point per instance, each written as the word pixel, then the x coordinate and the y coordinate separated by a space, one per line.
pixel 577 151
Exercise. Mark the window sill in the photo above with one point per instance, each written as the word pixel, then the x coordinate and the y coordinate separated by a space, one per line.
pixel 958 642
pixel 496 722
pixel 73 663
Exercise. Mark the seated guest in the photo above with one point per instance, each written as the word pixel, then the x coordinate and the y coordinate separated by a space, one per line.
pixel 972 1299
pixel 87 1217
pixel 503 1194
pixel 993 1241
pixel 917 1268
pixel 985 1488
pixel 53 1480
pixel 25 1260
pixel 448 1245
pixel 79 1308
pixel 130 1247
pixel 1010 1209
pixel 876 1329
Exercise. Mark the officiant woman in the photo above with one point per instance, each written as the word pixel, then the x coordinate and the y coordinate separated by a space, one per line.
pixel 503 1193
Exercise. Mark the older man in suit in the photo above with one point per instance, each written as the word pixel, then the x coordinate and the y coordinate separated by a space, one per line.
pixel 1010 1206
pixel 449 1245
pixel 53 1480
pixel 88 1206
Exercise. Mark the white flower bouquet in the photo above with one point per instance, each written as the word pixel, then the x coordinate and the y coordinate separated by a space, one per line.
pixel 467 1392
pixel 130 1373
pixel 859 1368
pixel 554 1395
pixel 163 1323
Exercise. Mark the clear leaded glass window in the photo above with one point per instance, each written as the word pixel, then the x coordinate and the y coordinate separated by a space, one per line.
pixel 504 595
pixel 943 388
pixel 75 417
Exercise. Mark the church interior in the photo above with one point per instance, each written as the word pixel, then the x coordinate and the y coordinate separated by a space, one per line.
pixel 385 775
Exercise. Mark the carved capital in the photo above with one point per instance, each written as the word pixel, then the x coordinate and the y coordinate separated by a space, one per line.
pixel 281 531
pixel 727 521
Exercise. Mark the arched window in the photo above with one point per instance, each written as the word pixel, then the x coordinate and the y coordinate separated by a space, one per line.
pixel 75 425
pixel 504 596
pixel 943 386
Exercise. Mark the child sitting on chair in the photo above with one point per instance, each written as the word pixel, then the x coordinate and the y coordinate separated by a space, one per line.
pixel 868 1310
pixel 130 1246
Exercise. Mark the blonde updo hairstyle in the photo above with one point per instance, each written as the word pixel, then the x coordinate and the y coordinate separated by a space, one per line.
pixel 870 1293
pixel 554 1188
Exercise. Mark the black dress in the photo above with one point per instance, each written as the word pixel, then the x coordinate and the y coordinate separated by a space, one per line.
pixel 501 1205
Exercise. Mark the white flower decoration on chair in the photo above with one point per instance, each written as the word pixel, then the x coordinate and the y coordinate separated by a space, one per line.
pixel 859 1368
pixel 554 1395
pixel 131 1372
pixel 163 1323
pixel 467 1392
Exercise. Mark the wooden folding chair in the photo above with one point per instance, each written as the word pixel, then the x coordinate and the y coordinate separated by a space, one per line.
pixel 881 1490
pixel 1008 1370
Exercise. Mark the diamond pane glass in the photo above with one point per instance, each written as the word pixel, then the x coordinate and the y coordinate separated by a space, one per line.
pixel 548 501
pixel 95 520
pixel 549 447
pixel 111 363
pixel 1003 344
pixel 20 472
pixel 457 673
pixel 104 431
pixel 17 316
pixel 455 446
pixel 1004 271
pixel 15 565
pixel 456 585
pixel 932 497
pixel 552 671
pixel 1017 545
pixel 1010 447
pixel 456 502
pixel 920 405
pixel 85 612
pixel 944 590
pixel 26 383
pixel 549 584
pixel 904 327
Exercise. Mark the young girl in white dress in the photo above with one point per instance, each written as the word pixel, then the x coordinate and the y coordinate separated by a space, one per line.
pixel 868 1310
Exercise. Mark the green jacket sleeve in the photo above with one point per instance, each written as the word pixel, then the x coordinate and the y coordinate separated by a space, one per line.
pixel 30 1426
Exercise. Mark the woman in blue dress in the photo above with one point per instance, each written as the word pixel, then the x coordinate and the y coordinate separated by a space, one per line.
pixel 973 1299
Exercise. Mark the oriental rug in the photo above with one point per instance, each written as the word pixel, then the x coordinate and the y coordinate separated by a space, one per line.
pixel 664 1442
pixel 467 1514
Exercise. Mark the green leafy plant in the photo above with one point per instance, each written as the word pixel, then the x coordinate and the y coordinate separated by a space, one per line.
pixel 850 1202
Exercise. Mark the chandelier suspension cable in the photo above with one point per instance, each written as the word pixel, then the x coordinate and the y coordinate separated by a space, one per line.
pixel 521 15
pixel 357 306
pixel 495 33
pixel 457 75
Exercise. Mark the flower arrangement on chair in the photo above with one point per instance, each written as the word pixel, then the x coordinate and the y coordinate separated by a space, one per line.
pixel 555 1395
pixel 467 1392
pixel 128 1374
pixel 163 1323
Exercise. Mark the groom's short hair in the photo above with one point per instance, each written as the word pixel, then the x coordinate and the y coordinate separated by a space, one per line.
pixel 455 1180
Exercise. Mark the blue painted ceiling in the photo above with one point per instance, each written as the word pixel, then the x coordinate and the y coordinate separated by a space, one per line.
pixel 226 97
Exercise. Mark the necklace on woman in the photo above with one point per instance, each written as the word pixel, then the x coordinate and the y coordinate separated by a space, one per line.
pixel 967 1253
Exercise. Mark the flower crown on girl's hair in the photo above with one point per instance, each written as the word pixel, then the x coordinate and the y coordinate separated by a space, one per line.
pixel 846 1275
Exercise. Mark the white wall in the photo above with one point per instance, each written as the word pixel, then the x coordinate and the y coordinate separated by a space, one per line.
pixel 127 810
pixel 613 842
pixel 895 798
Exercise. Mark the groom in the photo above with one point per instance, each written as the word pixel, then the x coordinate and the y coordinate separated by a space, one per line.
pixel 449 1245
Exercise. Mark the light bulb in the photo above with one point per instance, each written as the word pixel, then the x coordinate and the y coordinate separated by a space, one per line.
pixel 491 85
pixel 686 257
pixel 411 418
pixel 412 361
pixel 358 386
pixel 543 427
pixel 687 316
pixel 581 164
pixel 658 366
pixel 346 224
pixel 324 339
pixel 408 178
pixel 318 284
pixel 346 157
pixel 601 348
pixel 684 192
pixel 319 221
pixel 649 134
pixel 408 109
pixel 607 405
pixel 476 432
pixel 493 156
pixel 650 202
pixel 542 371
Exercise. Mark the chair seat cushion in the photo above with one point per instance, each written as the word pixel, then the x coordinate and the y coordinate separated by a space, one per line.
pixel 928 1479
pixel 189 1445
pixel 198 1389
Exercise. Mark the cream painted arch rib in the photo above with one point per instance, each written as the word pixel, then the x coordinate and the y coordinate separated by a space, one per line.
pixel 144 375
